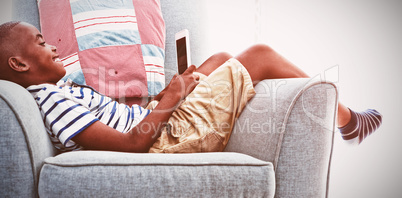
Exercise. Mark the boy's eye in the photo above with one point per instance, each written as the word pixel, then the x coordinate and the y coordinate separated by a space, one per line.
pixel 43 43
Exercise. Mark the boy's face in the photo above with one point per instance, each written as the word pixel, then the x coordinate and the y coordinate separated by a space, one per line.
pixel 42 59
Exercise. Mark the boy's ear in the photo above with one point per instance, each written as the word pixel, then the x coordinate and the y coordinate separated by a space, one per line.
pixel 17 64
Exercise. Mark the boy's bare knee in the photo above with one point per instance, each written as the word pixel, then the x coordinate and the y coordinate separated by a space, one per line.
pixel 222 56
pixel 255 54
pixel 261 48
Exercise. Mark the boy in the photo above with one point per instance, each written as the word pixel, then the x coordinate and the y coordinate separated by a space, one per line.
pixel 187 116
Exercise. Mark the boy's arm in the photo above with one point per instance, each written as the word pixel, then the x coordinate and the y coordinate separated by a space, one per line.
pixel 99 136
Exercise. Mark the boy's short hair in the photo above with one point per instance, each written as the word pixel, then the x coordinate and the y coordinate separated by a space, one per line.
pixel 5 29
pixel 5 43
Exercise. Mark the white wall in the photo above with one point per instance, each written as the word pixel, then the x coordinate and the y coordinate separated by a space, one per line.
pixel 363 39
pixel 5 11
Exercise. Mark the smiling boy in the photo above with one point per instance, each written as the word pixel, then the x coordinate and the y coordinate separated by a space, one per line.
pixel 35 61
pixel 178 120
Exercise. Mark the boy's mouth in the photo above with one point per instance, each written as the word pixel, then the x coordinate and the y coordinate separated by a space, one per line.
pixel 56 59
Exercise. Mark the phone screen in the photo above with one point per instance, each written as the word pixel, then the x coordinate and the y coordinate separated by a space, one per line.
pixel 181 54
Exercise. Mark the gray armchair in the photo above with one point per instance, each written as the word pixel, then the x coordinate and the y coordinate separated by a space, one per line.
pixel 281 145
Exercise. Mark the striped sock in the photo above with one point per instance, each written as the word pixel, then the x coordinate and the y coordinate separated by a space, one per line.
pixel 361 125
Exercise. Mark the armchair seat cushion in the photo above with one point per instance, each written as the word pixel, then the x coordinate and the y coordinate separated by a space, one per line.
pixel 92 173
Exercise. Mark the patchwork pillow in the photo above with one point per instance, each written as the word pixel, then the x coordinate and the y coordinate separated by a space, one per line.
pixel 115 46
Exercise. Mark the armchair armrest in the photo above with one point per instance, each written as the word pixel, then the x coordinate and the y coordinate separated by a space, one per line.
pixel 291 123
pixel 23 139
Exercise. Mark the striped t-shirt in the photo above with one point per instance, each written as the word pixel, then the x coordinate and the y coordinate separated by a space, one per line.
pixel 67 109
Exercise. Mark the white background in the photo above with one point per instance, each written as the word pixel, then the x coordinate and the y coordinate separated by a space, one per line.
pixel 361 41
pixel 362 38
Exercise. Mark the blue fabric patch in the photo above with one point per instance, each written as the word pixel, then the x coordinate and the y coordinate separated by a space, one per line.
pixel 108 38
pixel 91 5
pixel 77 77
pixel 152 50
pixel 155 87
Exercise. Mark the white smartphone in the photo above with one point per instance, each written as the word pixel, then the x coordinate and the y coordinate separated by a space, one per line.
pixel 183 50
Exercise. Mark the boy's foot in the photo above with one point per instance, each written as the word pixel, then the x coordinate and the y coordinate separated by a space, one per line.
pixel 361 125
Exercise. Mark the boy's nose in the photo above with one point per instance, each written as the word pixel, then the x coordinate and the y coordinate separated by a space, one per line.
pixel 53 48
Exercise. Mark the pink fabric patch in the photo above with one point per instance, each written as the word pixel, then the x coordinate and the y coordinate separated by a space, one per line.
pixel 57 26
pixel 125 79
pixel 150 22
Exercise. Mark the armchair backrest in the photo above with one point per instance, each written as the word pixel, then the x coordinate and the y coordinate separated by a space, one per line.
pixel 179 15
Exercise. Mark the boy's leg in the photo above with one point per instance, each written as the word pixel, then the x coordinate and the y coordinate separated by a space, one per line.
pixel 262 62
pixel 213 63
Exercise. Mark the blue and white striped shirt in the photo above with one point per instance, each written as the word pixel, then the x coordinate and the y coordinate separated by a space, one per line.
pixel 68 109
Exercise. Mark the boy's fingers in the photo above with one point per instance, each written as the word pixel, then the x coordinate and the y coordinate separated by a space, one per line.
pixel 174 77
pixel 197 77
pixel 190 69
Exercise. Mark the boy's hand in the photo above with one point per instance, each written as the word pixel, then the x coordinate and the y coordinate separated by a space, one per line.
pixel 182 84
pixel 185 83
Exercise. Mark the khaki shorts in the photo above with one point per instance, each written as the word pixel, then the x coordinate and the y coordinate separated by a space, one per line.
pixel 204 121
